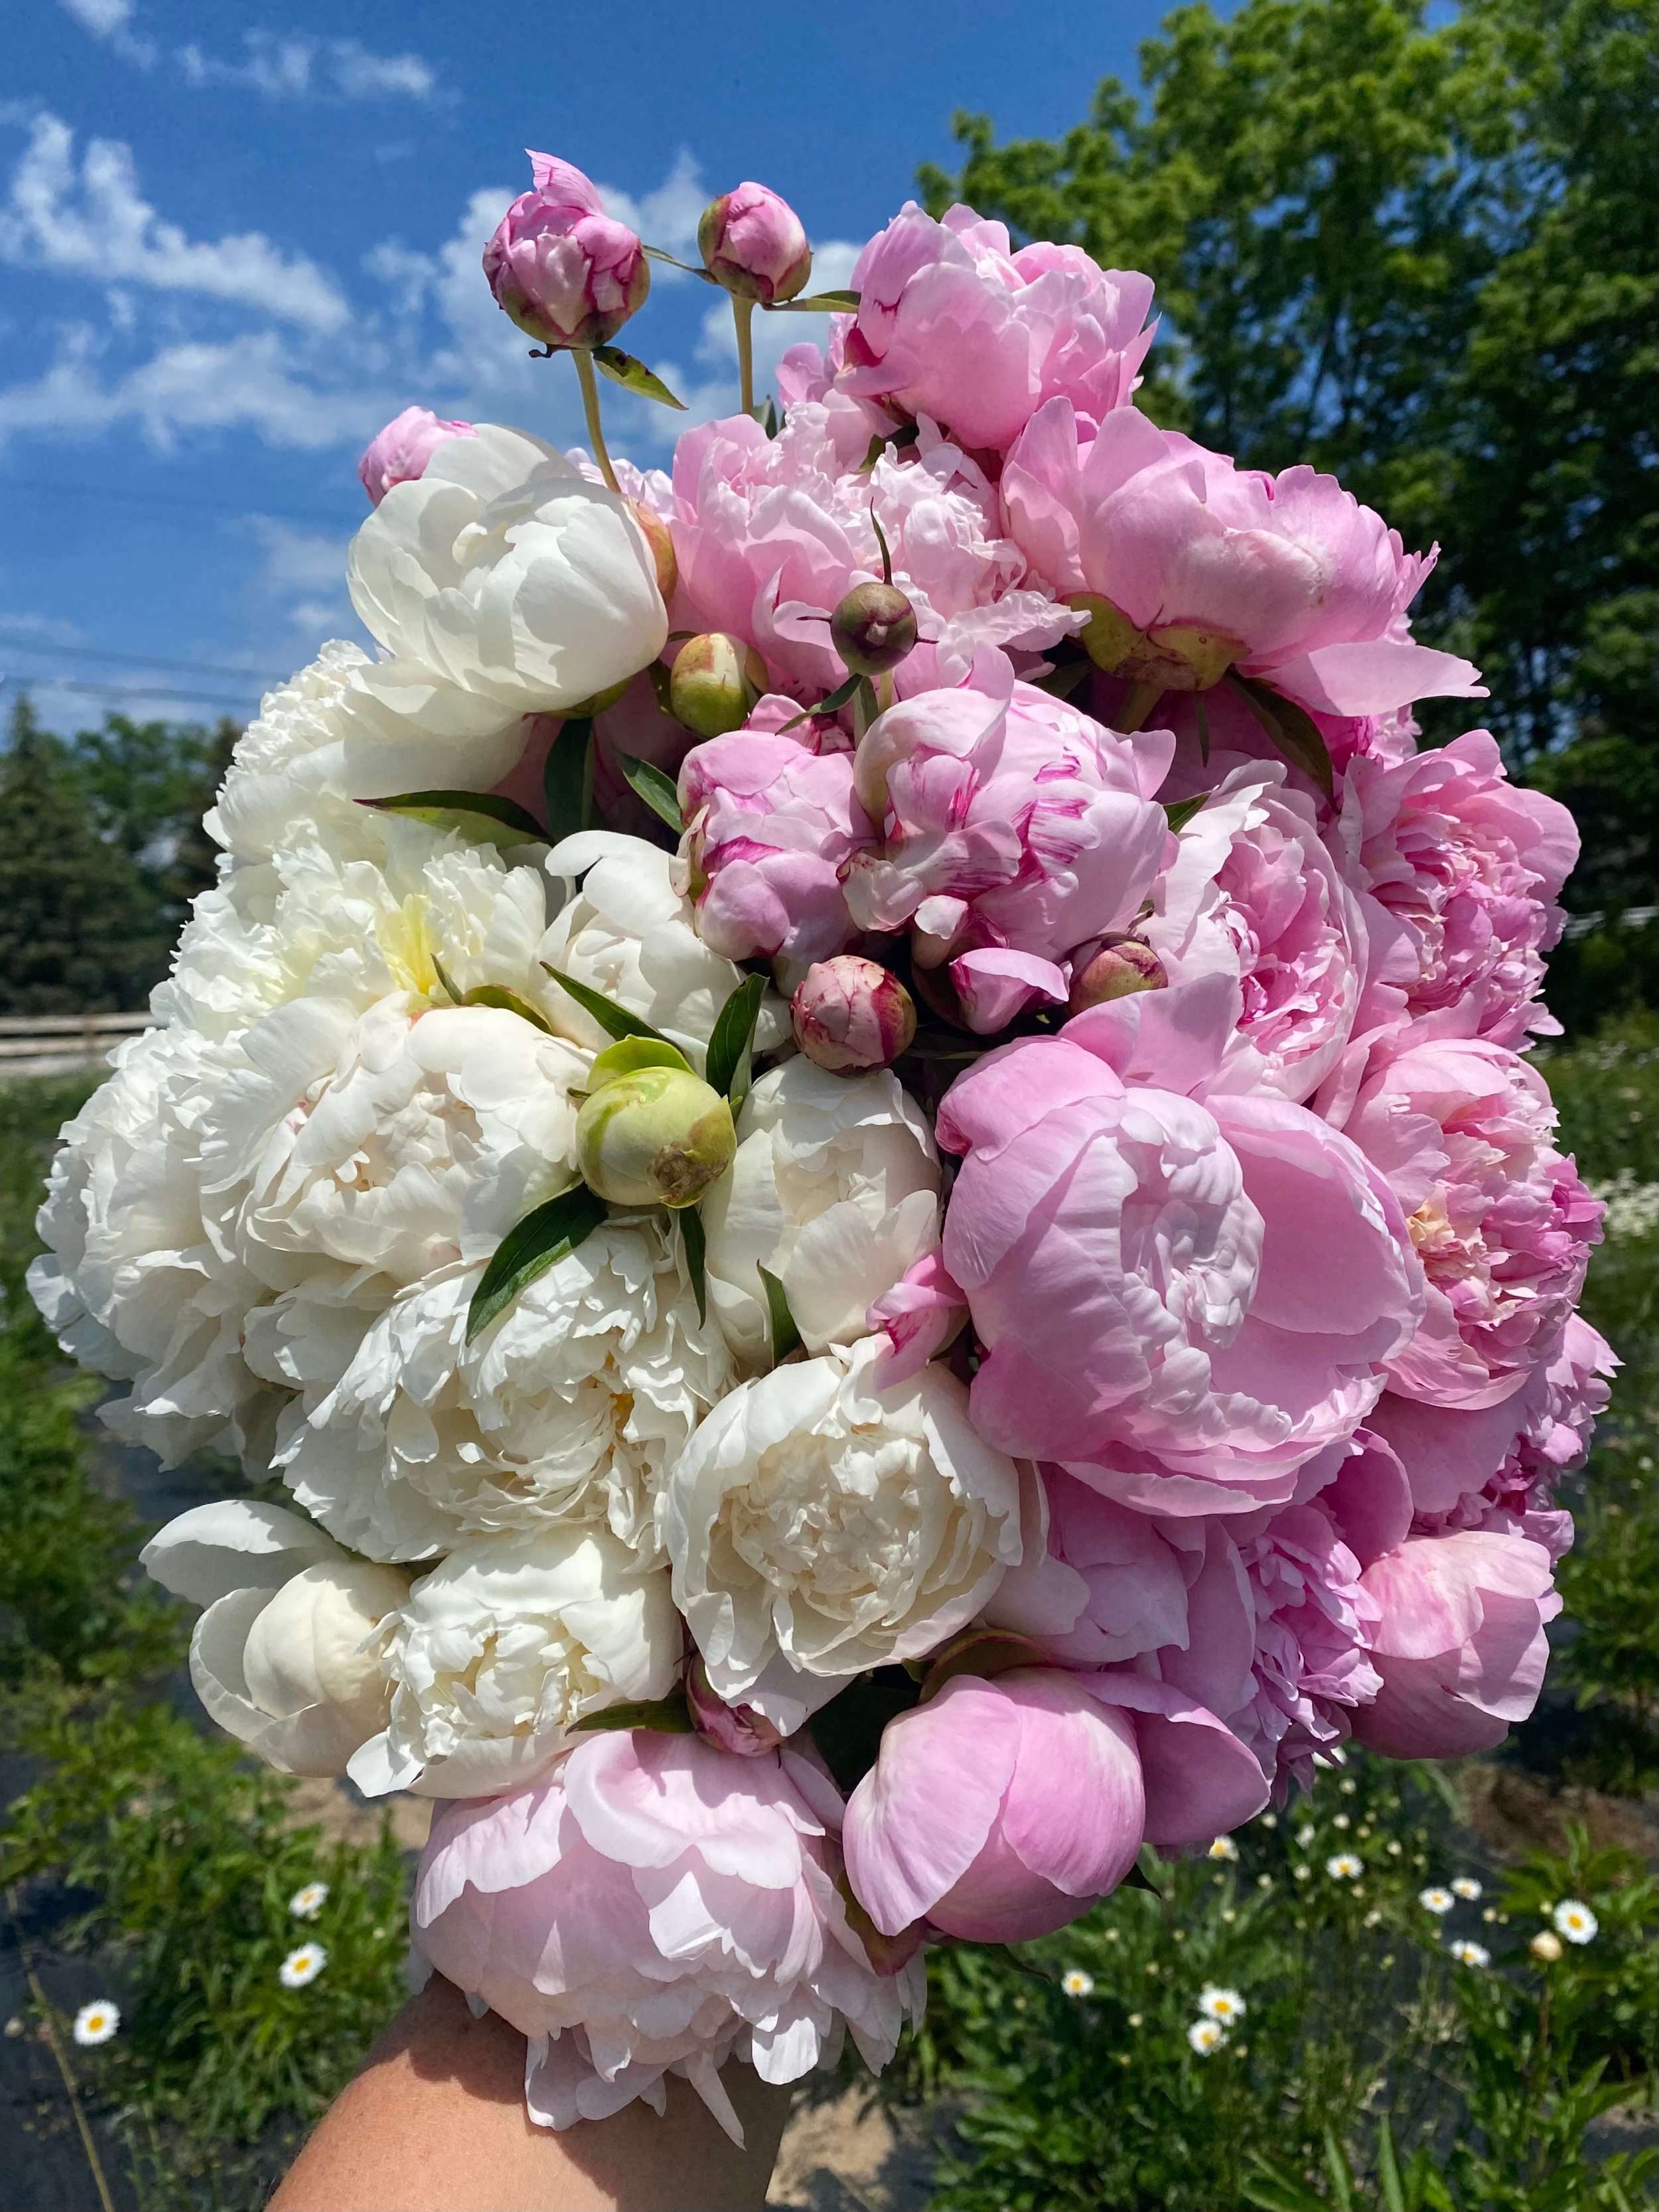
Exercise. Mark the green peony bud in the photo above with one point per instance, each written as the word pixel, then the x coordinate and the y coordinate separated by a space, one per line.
pixel 657 1137
pixel 714 681
pixel 872 629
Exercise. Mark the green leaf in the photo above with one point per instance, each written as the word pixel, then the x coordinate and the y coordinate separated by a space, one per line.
pixel 567 776
pixel 669 1716
pixel 615 1020
pixel 905 434
pixel 881 540
pixel 1291 727
pixel 816 303
pixel 846 1731
pixel 1275 2188
pixel 1062 681
pixel 478 814
pixel 634 376
pixel 656 789
pixel 448 980
pixel 696 1257
pixel 1336 2165
pixel 838 699
pixel 786 1337
pixel 497 994
pixel 730 1041
pixel 1182 811
pixel 628 1056
pixel 1387 2169
pixel 530 1249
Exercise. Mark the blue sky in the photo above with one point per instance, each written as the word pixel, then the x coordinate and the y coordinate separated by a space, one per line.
pixel 234 240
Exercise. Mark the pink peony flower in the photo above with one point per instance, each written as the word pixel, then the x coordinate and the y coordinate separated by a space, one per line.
pixel 1460 1645
pixel 1014 829
pixel 1503 1225
pixel 1000 1810
pixel 1183 1303
pixel 1205 566
pixel 1470 866
pixel 919 1316
pixel 398 453
pixel 558 265
pixel 656 1907
pixel 1255 892
pixel 771 533
pixel 769 827
pixel 752 243
pixel 850 1015
pixel 954 324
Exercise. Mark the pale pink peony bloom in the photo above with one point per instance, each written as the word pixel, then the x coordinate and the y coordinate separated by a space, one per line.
pixel 656 1907
pixel 1015 829
pixel 954 324
pixel 398 453
pixel 1000 1810
pixel 752 242
pixel 1552 1419
pixel 1287 578
pixel 771 533
pixel 1470 866
pixel 850 1015
pixel 919 1316
pixel 1315 1621
pixel 1500 1220
pixel 559 266
pixel 1184 1303
pixel 1255 892
pixel 1460 1645
pixel 769 827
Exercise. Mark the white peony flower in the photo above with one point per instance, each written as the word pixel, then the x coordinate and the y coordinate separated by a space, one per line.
pixel 282 1656
pixel 570 1406
pixel 835 1189
pixel 322 741
pixel 819 1526
pixel 399 1141
pixel 628 933
pixel 506 573
pixel 499 1648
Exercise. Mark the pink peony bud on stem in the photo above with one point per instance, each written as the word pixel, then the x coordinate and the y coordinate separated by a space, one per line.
pixel 714 681
pixel 399 453
pixel 1123 965
pixel 753 244
pixel 662 548
pixel 737 1728
pixel 873 629
pixel 850 1015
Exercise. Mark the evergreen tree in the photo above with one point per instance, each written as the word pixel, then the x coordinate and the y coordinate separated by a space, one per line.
pixel 80 930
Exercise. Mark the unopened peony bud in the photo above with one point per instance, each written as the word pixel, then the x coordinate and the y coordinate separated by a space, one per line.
pixel 560 267
pixel 399 453
pixel 715 680
pixel 752 243
pixel 1121 966
pixel 659 1137
pixel 850 1015
pixel 662 547
pixel 737 1729
pixel 873 629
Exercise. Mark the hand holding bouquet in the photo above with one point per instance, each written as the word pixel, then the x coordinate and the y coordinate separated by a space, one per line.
pixel 853 1131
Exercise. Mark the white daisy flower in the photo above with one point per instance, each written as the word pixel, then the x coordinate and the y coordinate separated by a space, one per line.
pixel 1546 1945
pixel 1466 1886
pixel 1471 1955
pixel 1305 1834
pixel 1347 1786
pixel 1436 1901
pixel 302 1965
pixel 1206 2036
pixel 1224 1847
pixel 1224 2006
pixel 1344 1866
pixel 97 2021
pixel 1301 1872
pixel 1076 1983
pixel 307 1902
pixel 1575 1921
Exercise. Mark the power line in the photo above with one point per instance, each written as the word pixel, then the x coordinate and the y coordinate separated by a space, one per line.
pixel 138 660
pixel 132 691
pixel 55 487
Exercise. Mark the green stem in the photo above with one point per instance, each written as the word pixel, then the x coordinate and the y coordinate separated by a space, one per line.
pixel 584 361
pixel 1140 703
pixel 743 314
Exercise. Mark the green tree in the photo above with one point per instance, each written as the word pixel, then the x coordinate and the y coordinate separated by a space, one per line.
pixel 80 929
pixel 1423 257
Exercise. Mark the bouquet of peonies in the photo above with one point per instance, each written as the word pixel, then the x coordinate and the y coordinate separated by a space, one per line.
pixel 853 1133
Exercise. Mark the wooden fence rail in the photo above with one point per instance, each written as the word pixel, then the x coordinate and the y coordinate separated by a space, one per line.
pixel 62 1044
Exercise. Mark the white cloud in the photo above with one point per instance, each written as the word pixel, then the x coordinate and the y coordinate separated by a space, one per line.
pixel 666 217
pixel 94 222
pixel 103 18
pixel 294 68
